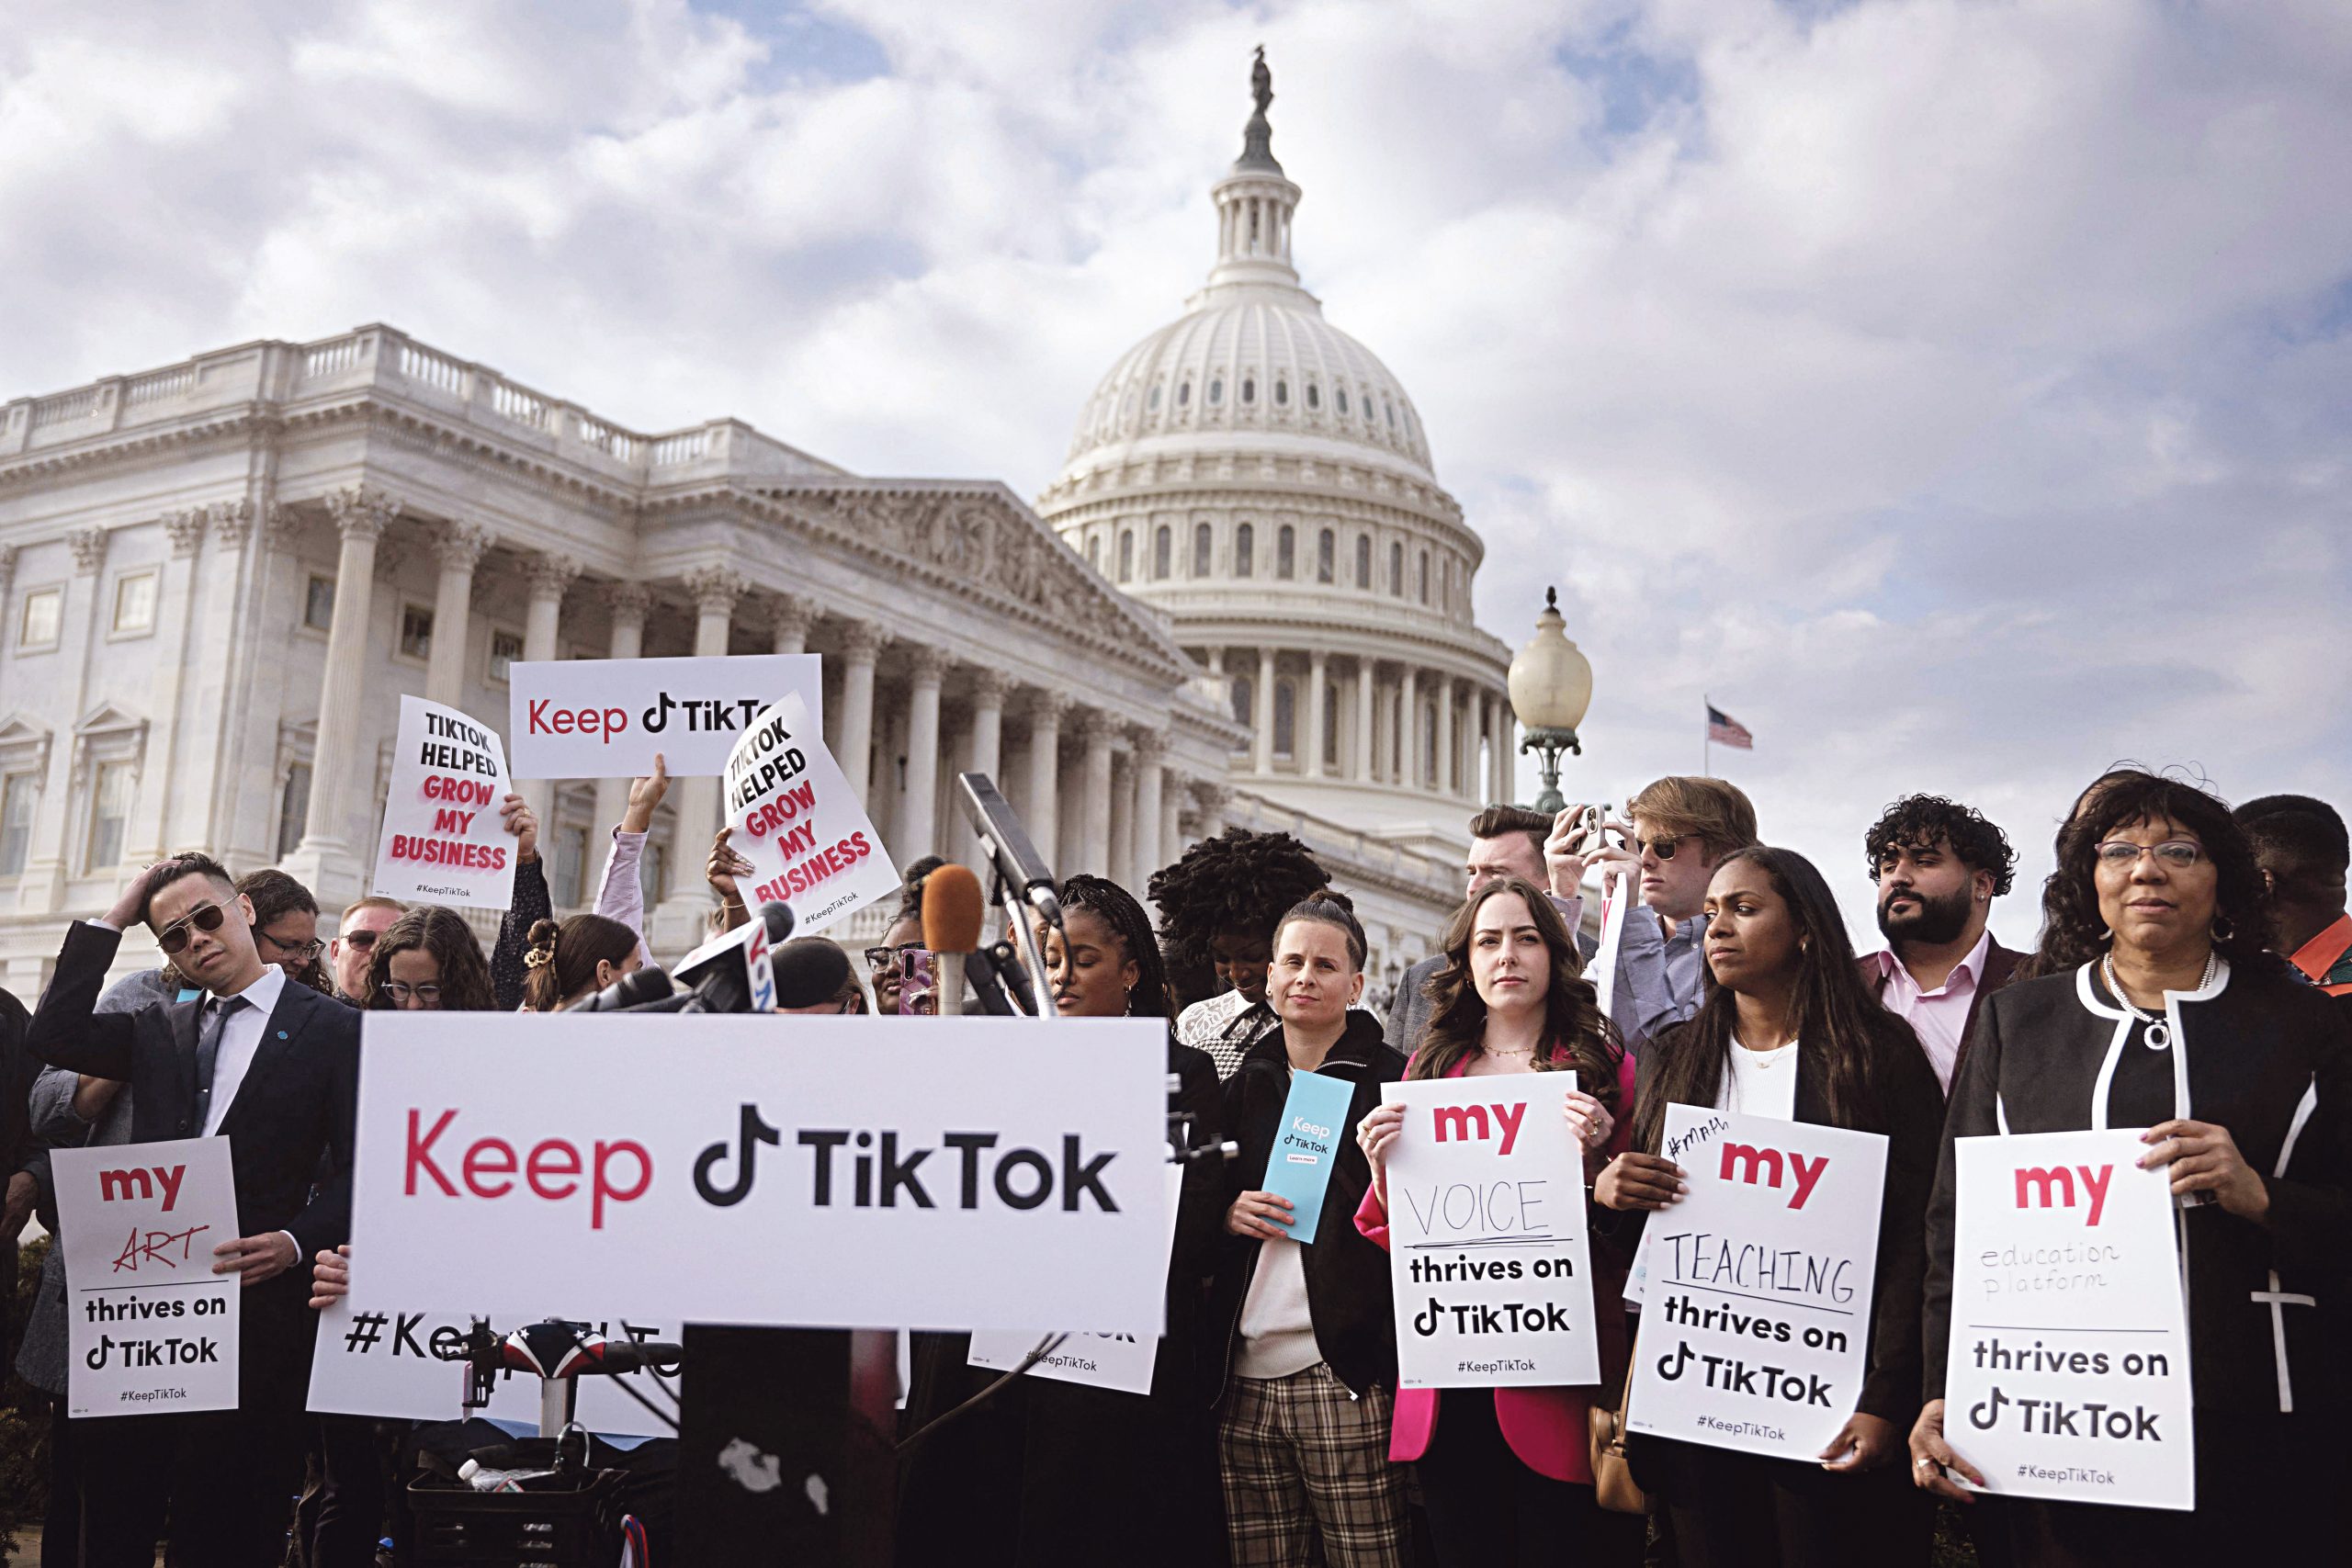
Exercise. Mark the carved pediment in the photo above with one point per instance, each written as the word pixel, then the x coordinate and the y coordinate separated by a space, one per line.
pixel 24 745
pixel 984 535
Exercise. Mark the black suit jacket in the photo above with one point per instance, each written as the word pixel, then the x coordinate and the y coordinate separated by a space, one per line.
pixel 293 1116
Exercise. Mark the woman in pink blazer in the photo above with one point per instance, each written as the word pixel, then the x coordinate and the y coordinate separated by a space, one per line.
pixel 1508 1478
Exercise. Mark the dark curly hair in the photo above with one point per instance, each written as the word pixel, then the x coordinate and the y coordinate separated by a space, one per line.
pixel 1578 1033
pixel 443 933
pixel 2073 934
pixel 275 895
pixel 1118 909
pixel 1923 821
pixel 1846 1044
pixel 1237 881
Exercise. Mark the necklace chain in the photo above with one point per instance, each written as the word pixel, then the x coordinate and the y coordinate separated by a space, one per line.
pixel 2159 1028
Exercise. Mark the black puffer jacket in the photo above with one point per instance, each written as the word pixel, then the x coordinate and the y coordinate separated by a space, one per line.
pixel 1347 1276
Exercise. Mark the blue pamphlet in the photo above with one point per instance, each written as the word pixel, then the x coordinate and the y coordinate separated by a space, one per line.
pixel 1314 1125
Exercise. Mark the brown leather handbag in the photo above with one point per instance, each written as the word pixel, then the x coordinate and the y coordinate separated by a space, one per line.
pixel 1612 1478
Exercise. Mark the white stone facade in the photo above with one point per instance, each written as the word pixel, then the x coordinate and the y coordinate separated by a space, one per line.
pixel 217 578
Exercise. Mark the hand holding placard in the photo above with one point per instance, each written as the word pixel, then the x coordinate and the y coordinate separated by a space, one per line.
pixel 1314 1121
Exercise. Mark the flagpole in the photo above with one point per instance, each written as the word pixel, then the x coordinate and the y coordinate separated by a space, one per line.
pixel 1707 738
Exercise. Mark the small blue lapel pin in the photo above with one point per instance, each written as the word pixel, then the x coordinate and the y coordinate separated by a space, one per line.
pixel 281 1034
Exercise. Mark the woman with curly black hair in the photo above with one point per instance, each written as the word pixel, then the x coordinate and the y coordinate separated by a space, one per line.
pixel 429 960
pixel 1218 904
pixel 2178 1019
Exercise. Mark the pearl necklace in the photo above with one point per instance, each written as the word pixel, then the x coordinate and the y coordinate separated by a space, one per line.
pixel 2159 1029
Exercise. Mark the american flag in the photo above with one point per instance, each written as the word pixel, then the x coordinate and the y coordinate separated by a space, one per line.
pixel 1725 730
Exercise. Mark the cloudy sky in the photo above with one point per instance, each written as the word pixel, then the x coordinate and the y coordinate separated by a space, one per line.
pixel 1957 391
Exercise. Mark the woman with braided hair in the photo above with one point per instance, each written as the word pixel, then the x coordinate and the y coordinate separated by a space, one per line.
pixel 1102 1466
pixel 1219 904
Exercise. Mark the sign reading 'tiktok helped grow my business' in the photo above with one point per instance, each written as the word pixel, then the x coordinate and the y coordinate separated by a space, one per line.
pixel 806 833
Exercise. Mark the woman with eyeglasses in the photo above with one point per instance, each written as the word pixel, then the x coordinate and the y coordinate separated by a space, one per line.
pixel 285 926
pixel 429 960
pixel 2183 1022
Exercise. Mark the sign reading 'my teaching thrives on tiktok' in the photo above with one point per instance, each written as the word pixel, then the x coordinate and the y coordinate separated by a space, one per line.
pixel 1756 1322
pixel 2068 1372
pixel 1489 1258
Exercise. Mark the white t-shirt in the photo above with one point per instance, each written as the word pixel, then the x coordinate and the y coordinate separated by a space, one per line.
pixel 1761 1083
pixel 1277 1327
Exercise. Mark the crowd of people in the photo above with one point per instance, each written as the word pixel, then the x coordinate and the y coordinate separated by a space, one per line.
pixel 2192 974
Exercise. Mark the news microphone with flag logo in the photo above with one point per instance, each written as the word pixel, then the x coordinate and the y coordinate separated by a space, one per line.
pixel 954 911
pixel 734 973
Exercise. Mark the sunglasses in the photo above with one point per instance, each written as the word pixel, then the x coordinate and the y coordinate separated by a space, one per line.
pixel 1662 848
pixel 172 939
pixel 360 941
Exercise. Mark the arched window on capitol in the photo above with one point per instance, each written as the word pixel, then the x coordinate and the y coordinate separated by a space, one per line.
pixel 1364 561
pixel 1094 551
pixel 1314 397
pixel 1217 391
pixel 1327 545
pixel 1244 706
pixel 1425 577
pixel 1397 568
pixel 1163 546
pixel 1204 547
pixel 1245 550
pixel 1285 718
pixel 1249 388
pixel 1128 560
pixel 1286 553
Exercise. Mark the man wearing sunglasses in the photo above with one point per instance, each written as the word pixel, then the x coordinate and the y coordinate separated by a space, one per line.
pixel 355 942
pixel 1674 831
pixel 272 1065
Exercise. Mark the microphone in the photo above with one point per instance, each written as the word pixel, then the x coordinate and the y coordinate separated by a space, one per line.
pixel 810 973
pixel 732 973
pixel 954 911
pixel 1014 858
pixel 633 990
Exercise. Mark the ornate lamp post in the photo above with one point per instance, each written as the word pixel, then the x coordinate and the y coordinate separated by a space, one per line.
pixel 1551 685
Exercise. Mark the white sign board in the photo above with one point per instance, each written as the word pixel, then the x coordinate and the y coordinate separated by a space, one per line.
pixel 605 718
pixel 809 1172
pixel 1756 1328
pixel 1121 1362
pixel 444 839
pixel 1489 1258
pixel 809 841
pixel 150 1327
pixel 2068 1372
pixel 383 1364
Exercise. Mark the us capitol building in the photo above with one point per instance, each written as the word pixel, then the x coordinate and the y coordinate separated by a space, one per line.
pixel 1244 600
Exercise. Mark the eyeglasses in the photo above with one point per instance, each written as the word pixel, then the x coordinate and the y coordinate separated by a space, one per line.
pixel 890 960
pixel 173 938
pixel 1662 848
pixel 400 991
pixel 2173 855
pixel 300 952
pixel 360 941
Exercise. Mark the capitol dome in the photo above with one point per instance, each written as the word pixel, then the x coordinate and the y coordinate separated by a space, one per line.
pixel 1262 478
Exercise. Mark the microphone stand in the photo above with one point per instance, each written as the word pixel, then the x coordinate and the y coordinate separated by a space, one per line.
pixel 1032 952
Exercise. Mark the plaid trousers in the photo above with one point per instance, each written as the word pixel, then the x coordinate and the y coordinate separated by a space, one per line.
pixel 1300 1456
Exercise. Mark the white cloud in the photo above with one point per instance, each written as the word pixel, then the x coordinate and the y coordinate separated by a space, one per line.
pixel 1954 392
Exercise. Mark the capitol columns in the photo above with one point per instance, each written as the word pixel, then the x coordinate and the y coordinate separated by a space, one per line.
pixel 1308 748
pixel 1040 809
pixel 628 602
pixel 1409 719
pixel 324 862
pixel 550 576
pixel 861 646
pixel 1367 677
pixel 150 836
pixel 917 827
pixel 459 546
pixel 1447 754
pixel 1119 857
pixel 1149 829
pixel 677 924
pixel 1261 711
pixel 984 753
pixel 1096 732
pixel 789 623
